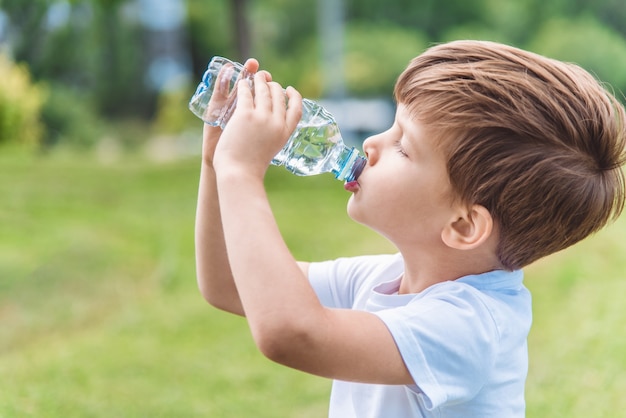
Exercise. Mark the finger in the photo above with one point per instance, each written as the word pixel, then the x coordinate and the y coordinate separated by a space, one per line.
pixel 262 94
pixel 294 108
pixel 279 100
pixel 222 83
pixel 268 76
pixel 245 99
pixel 251 65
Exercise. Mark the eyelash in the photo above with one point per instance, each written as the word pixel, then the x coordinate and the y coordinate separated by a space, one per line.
pixel 398 146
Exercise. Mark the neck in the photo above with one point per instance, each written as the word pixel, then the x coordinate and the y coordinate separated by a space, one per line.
pixel 426 269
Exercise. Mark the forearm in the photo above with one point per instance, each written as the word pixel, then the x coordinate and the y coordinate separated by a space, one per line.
pixel 279 303
pixel 275 294
pixel 213 272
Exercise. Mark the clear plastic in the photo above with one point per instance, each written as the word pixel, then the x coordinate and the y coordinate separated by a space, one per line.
pixel 315 147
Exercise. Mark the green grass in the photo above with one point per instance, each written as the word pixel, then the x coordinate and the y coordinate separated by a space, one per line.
pixel 101 316
pixel 577 344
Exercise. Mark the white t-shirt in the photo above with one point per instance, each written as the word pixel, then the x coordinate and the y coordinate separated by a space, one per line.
pixel 463 341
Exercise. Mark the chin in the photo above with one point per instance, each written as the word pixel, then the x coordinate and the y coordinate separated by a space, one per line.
pixel 355 212
pixel 353 209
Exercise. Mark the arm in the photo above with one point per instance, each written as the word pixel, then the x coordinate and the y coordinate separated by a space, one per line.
pixel 288 323
pixel 213 273
pixel 214 276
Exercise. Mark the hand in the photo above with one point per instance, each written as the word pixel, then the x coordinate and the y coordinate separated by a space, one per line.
pixel 259 127
pixel 219 98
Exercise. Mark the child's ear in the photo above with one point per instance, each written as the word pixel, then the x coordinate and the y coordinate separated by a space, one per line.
pixel 468 229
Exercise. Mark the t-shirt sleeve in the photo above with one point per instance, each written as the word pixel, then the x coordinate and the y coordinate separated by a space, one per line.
pixel 447 339
pixel 338 282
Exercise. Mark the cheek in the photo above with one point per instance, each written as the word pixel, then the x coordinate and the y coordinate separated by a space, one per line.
pixel 370 209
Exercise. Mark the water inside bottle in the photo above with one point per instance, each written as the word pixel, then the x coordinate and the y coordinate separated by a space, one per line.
pixel 312 148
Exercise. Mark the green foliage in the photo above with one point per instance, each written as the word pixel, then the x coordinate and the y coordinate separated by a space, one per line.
pixel 475 31
pixel 103 50
pixel 172 114
pixel 20 104
pixel 209 24
pixel 508 16
pixel 300 69
pixel 376 54
pixel 69 119
pixel 97 50
pixel 116 65
pixel 431 17
pixel 283 25
pixel 588 43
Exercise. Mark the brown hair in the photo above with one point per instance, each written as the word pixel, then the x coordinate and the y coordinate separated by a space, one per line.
pixel 536 141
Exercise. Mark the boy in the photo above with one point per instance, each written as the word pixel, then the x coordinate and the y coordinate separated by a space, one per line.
pixel 497 157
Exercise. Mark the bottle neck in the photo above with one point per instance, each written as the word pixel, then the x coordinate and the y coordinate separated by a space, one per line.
pixel 350 164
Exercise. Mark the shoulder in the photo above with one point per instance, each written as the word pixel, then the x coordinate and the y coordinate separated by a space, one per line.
pixel 475 314
pixel 481 310
pixel 358 268
pixel 453 335
pixel 497 301
pixel 340 282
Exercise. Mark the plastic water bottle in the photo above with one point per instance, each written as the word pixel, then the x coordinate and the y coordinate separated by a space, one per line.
pixel 316 145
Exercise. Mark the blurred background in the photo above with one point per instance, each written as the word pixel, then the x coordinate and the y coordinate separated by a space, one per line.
pixel 84 64
pixel 99 312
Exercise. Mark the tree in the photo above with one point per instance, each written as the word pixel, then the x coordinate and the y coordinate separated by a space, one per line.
pixel 241 27
pixel 588 43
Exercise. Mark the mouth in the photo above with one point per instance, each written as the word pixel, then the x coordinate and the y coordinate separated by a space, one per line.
pixel 352 186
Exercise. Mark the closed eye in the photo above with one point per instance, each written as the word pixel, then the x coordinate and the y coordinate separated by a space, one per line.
pixel 398 145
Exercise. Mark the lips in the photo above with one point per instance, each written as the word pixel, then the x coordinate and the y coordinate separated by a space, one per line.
pixel 352 186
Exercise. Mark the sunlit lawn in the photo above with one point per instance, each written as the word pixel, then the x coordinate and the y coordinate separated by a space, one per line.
pixel 100 315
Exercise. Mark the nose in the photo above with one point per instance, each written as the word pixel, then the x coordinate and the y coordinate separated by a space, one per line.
pixel 370 149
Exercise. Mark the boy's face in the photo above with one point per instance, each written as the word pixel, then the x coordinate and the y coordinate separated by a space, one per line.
pixel 404 192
